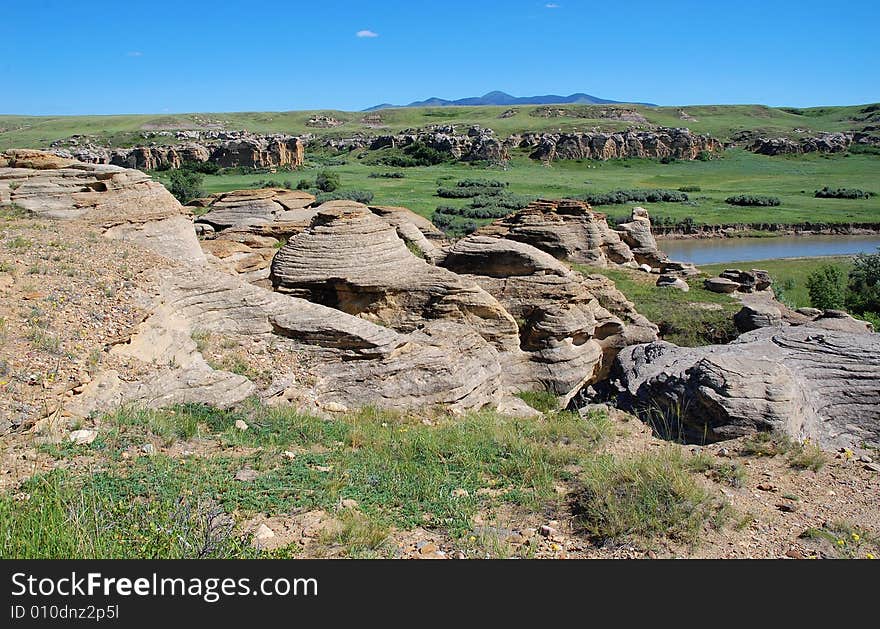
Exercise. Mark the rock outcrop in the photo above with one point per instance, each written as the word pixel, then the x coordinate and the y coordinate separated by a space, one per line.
pixel 638 236
pixel 230 149
pixel 323 358
pixel 268 211
pixel 566 229
pixel 566 337
pixel 733 280
pixel 824 143
pixel 126 204
pixel 804 381
pixel 352 260
pixel 659 143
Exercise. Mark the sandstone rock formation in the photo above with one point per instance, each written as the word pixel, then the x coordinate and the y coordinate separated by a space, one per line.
pixel 824 143
pixel 659 143
pixel 638 236
pixel 230 149
pixel 566 229
pixel 804 381
pixel 324 358
pixel 733 280
pixel 566 337
pixel 126 204
pixel 269 211
pixel 352 260
pixel 757 315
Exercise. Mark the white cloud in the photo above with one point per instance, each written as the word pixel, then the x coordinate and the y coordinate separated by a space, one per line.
pixel 551 5
pixel 134 53
pixel 366 33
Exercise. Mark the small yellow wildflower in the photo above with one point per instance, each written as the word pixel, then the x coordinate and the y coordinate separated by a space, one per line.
pixel 840 542
pixel 869 555
pixel 856 537
pixel 472 538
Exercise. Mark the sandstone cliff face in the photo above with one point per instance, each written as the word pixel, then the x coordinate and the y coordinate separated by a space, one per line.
pixel 825 143
pixel 245 150
pixel 659 143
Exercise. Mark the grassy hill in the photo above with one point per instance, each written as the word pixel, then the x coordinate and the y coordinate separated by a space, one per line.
pixel 721 121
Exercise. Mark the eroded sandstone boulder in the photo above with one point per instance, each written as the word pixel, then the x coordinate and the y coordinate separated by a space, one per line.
pixel 638 236
pixel 567 337
pixel 566 229
pixel 804 381
pixel 352 260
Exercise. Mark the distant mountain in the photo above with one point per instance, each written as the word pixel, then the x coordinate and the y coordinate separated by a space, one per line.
pixel 502 98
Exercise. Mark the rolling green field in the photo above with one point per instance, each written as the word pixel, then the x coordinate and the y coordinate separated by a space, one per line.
pixel 721 121
pixel 792 179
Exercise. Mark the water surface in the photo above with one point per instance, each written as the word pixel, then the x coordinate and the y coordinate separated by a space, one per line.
pixel 717 250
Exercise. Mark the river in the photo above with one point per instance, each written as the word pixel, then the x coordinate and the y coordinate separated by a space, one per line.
pixel 716 250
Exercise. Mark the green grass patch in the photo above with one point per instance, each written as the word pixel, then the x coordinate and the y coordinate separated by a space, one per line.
pixel 697 317
pixel 643 497
pixel 403 474
pixel 543 401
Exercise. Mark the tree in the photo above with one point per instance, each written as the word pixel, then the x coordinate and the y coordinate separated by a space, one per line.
pixel 863 284
pixel 186 185
pixel 327 181
pixel 826 287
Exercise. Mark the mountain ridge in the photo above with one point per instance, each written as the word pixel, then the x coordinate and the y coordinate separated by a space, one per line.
pixel 497 97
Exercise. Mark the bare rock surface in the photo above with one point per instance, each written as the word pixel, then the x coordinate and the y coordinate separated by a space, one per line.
pixel 566 229
pixel 804 381
pixel 567 337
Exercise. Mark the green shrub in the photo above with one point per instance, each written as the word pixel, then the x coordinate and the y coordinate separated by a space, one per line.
pixel 753 200
pixel 361 196
pixel 393 175
pixel 826 287
pixel 842 193
pixel 690 189
pixel 206 168
pixel 863 285
pixel 327 181
pixel 618 197
pixel 186 185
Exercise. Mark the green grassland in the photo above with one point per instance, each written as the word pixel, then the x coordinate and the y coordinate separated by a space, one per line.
pixel 792 179
pixel 719 120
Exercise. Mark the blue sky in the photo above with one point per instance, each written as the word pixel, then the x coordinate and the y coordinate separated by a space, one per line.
pixel 99 57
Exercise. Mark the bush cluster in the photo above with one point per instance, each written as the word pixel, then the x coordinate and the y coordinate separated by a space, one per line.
pixel 753 200
pixel 649 195
pixel 361 196
pixel 842 193
pixel 489 199
pixel 392 175
pixel 858 292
